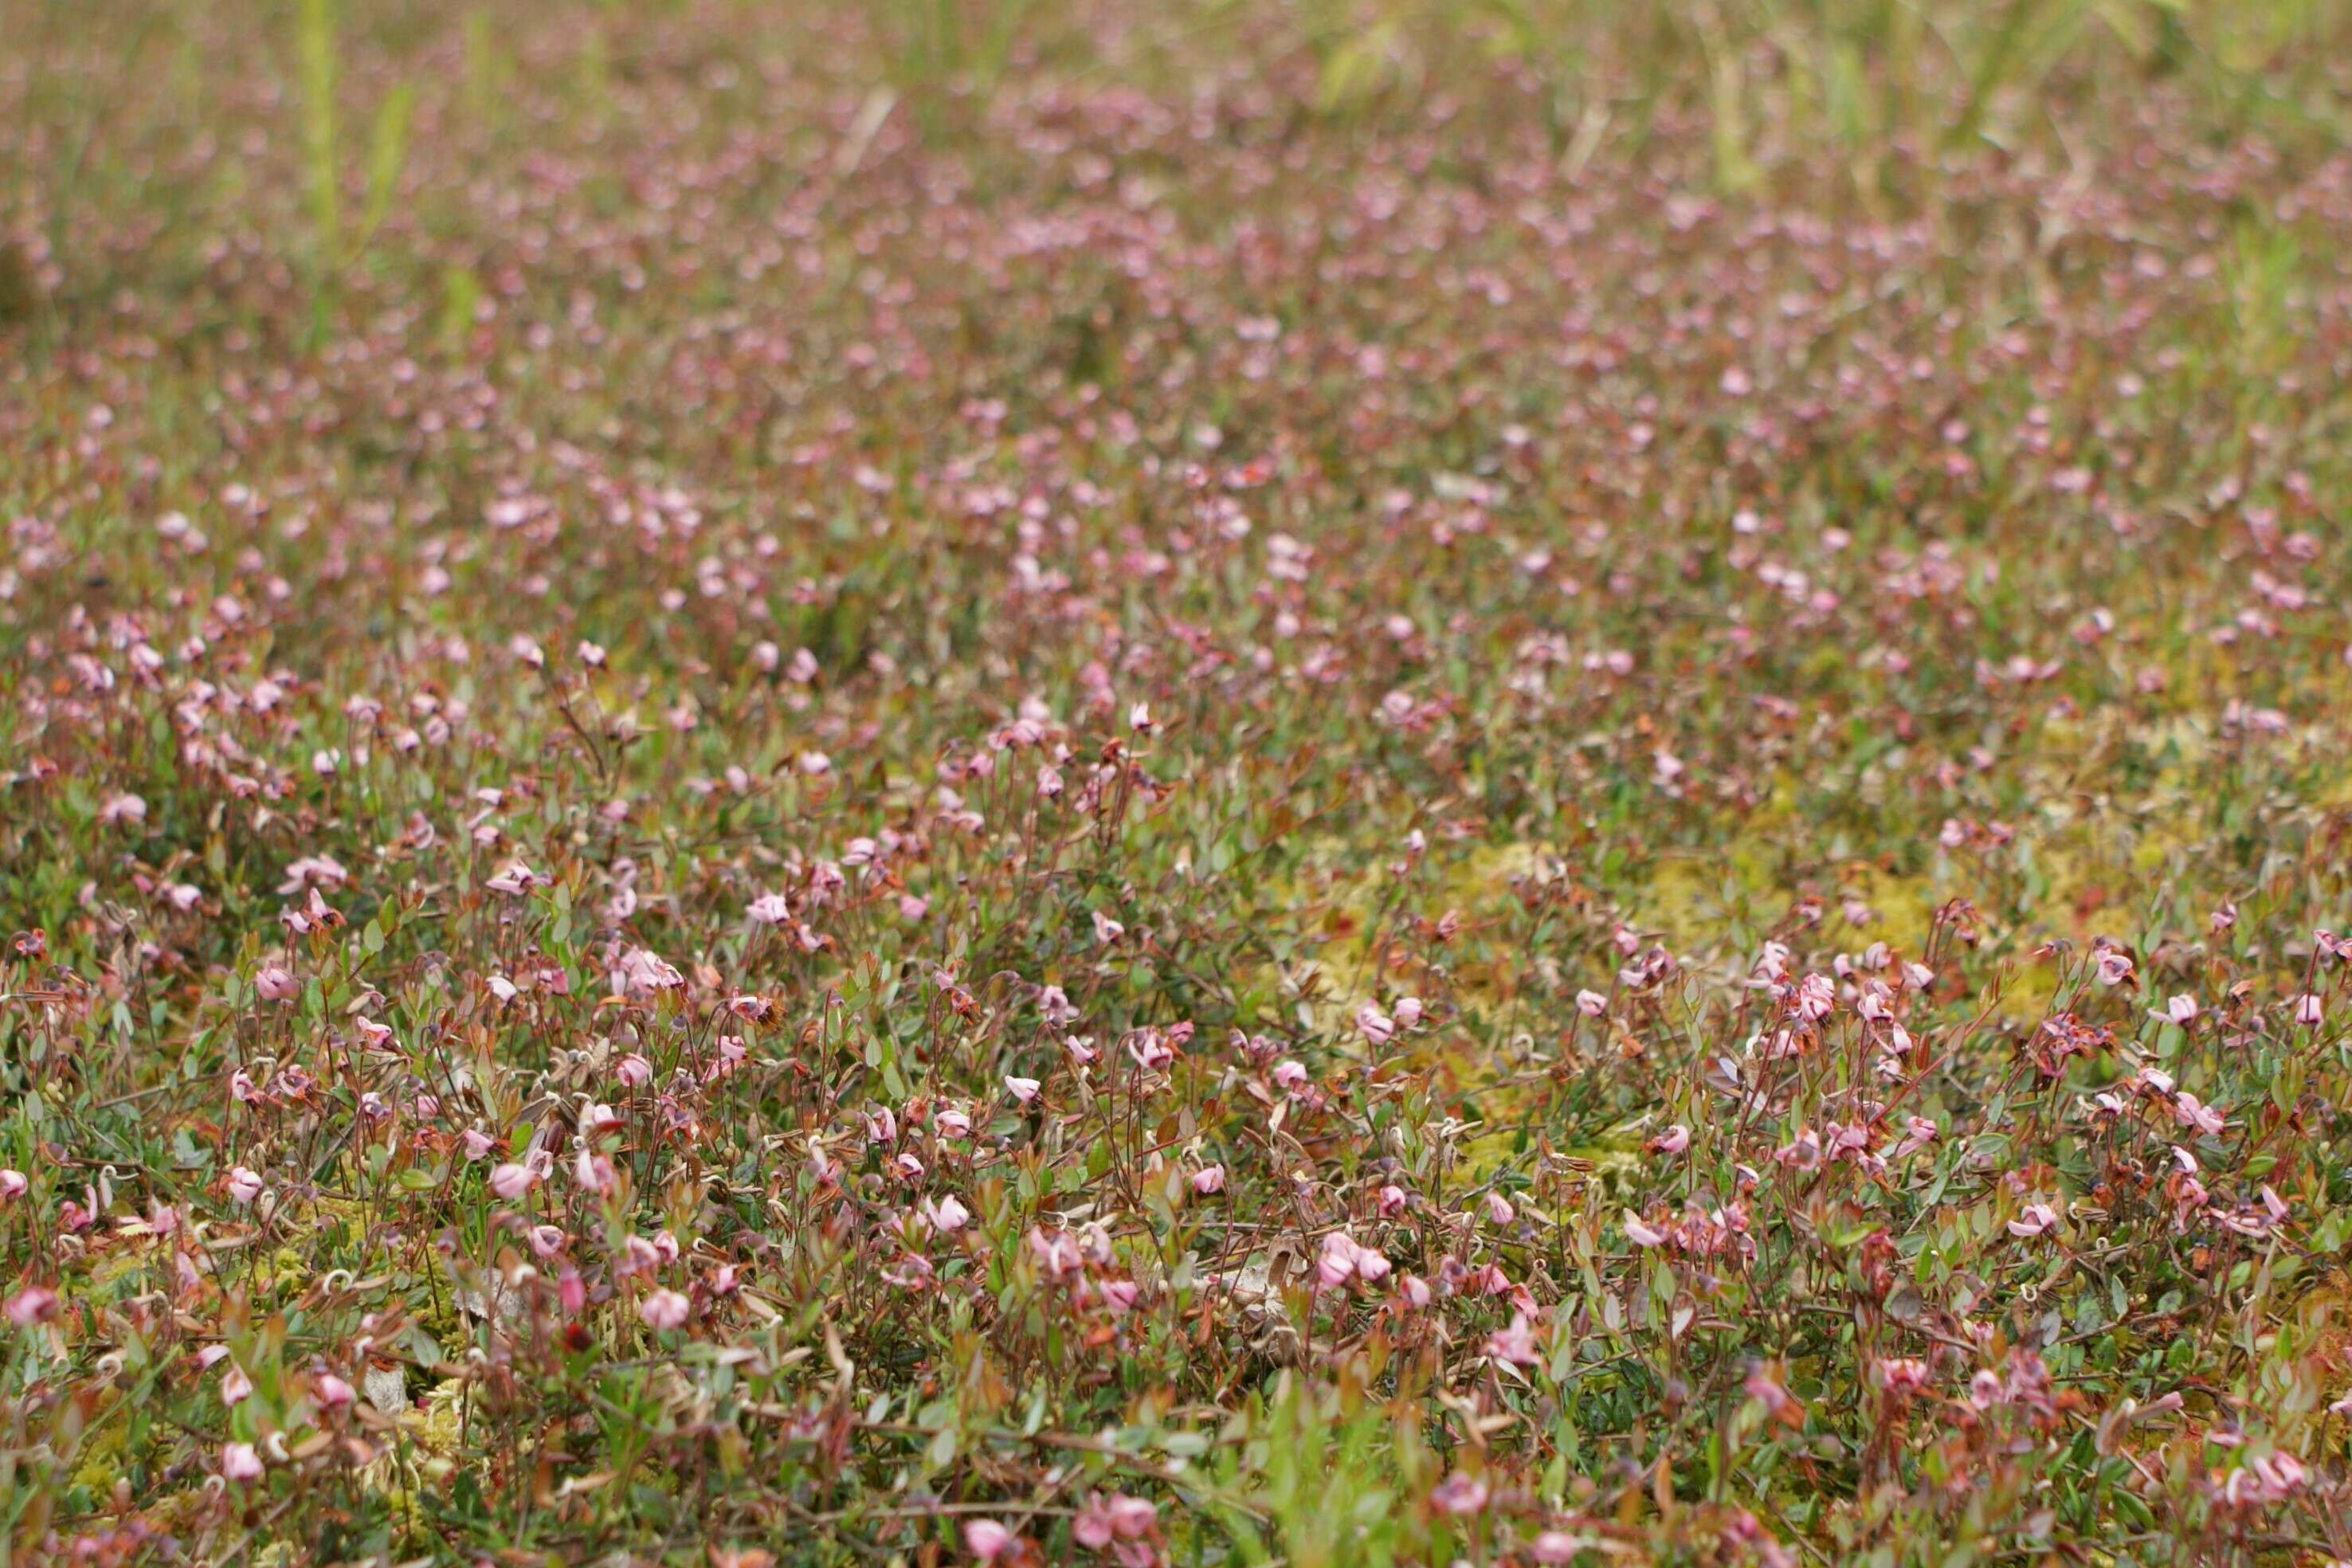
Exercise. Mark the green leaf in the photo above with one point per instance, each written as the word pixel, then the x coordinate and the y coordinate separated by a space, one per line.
pixel 941 1450
pixel 1843 1236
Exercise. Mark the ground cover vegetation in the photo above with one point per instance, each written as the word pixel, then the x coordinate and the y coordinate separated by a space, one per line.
pixel 1346 782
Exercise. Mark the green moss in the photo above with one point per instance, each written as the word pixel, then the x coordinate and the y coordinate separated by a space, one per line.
pixel 429 1447
pixel 100 1462
pixel 1905 906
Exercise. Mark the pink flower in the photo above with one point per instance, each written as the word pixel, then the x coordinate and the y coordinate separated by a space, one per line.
pixel 2194 1112
pixel 1343 1258
pixel 1499 1210
pixel 1591 1004
pixel 1641 1233
pixel 33 1304
pixel 1024 1089
pixel 2114 966
pixel 642 970
pixel 2180 1009
pixel 732 1054
pixel 122 808
pixel 240 1462
pixel 945 1215
pixel 244 1185
pixel 590 1169
pixel 634 1071
pixel 1056 1252
pixel 314 871
pixel 1111 1517
pixel 1816 998
pixel 664 1309
pixel 13 1185
pixel 1672 1141
pixel 1093 1529
pixel 985 1539
pixel 1459 1494
pixel 276 983
pixel 2279 1473
pixel 1902 1374
pixel 1209 1179
pixel 1336 1265
pixel 511 1181
pixel 2308 1010
pixel 2034 1220
pixel 331 1391
pixel 1917 1133
pixel 1515 1345
pixel 1132 1518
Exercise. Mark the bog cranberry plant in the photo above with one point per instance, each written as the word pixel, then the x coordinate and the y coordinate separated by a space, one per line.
pixel 1332 784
